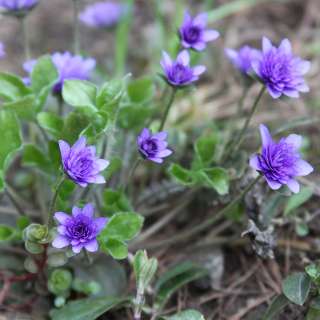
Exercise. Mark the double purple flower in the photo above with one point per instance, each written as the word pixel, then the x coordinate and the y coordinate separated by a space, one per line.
pixel 79 230
pixel 17 5
pixel 68 67
pixel 193 33
pixel 281 71
pixel 153 147
pixel 280 162
pixel 178 73
pixel 242 59
pixel 80 163
pixel 103 14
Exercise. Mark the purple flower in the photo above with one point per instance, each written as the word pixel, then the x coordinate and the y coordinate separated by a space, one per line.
pixel 193 33
pixel 153 147
pixel 17 5
pixel 179 73
pixel 280 162
pixel 68 66
pixel 280 70
pixel 103 14
pixel 79 230
pixel 80 163
pixel 243 58
pixel 2 50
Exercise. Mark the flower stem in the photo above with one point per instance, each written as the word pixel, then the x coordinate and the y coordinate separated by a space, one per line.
pixel 247 122
pixel 52 207
pixel 26 40
pixel 166 113
pixel 76 31
pixel 204 225
pixel 131 173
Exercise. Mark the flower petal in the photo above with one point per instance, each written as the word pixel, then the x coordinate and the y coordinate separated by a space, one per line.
pixel 161 135
pixel 199 70
pixel 210 35
pixel 295 140
pixel 199 46
pixel 183 58
pixel 274 185
pixel 303 168
pixel 285 46
pixel 201 20
pixel 64 149
pixel 76 211
pixel 88 210
pixel 266 45
pixel 92 246
pixel 77 248
pixel 274 93
pixel 102 164
pixel 254 162
pixel 100 223
pixel 265 135
pixel 61 217
pixel 79 145
pixel 164 153
pixel 166 61
pixel 293 185
pixel 60 242
pixel 155 159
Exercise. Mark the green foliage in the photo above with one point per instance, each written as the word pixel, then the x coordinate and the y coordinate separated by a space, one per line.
pixel 141 90
pixel 88 288
pixel 205 149
pixel 115 201
pixel 173 279
pixel 34 157
pixel 12 88
pixel 215 178
pixel 84 309
pixel 313 271
pixel 121 227
pixel 183 176
pixel 298 200
pixel 296 287
pixel 144 270
pixel 51 123
pixel 59 282
pixel 276 306
pixel 11 140
pixel 80 93
pixel 6 232
pixel 186 315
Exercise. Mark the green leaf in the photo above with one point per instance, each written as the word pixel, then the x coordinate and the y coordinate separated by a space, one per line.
pixel 141 90
pixel 216 178
pixel 133 117
pixel 276 306
pixel 22 222
pixel 313 314
pixel 11 137
pixel 116 248
pixel 181 175
pixel 34 157
pixel 24 108
pixel 174 278
pixel 6 232
pixel 115 201
pixel 59 281
pixel 12 87
pixel 51 123
pixel 74 124
pixel 85 309
pixel 122 226
pixel 44 74
pixel 109 97
pixel 205 148
pixel 313 271
pixel 298 200
pixel 296 287
pixel 302 229
pixel 80 93
pixel 186 315
pixel 144 269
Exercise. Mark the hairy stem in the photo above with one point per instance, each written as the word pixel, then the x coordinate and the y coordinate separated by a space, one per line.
pixel 169 104
pixel 76 31
pixel 26 40
pixel 247 122
pixel 52 207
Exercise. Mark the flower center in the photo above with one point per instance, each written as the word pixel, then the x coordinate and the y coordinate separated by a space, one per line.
pixel 192 34
pixel 150 147
pixel 181 74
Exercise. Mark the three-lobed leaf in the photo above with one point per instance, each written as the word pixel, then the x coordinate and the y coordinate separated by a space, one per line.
pixel 296 287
